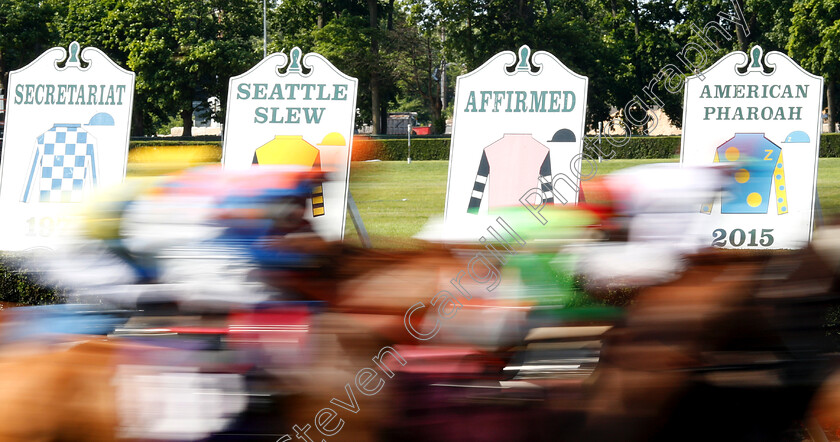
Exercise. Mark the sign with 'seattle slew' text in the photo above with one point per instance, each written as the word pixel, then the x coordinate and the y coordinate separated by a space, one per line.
pixel 303 117
pixel 68 118
pixel 517 137
pixel 762 123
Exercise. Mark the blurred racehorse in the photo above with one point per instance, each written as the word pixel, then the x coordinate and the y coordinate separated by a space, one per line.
pixel 64 389
pixel 732 350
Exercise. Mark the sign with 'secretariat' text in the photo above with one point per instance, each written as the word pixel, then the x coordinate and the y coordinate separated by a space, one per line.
pixel 762 123
pixel 303 117
pixel 517 136
pixel 67 126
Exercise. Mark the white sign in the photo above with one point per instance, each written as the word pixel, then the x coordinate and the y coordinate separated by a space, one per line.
pixel 517 137
pixel 765 124
pixel 67 127
pixel 303 117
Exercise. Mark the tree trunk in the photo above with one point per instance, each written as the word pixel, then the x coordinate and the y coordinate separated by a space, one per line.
pixel 390 15
pixel 137 126
pixel 438 122
pixel 322 10
pixel 375 104
pixel 829 97
pixel 4 74
pixel 743 42
pixel 637 65
pixel 375 100
pixel 636 19
pixel 186 119
pixel 439 102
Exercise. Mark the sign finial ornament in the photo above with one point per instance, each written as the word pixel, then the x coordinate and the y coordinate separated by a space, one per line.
pixel 524 55
pixel 757 54
pixel 294 65
pixel 73 58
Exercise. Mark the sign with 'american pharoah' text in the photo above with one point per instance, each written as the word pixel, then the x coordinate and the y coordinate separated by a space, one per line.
pixel 67 125
pixel 302 117
pixel 760 121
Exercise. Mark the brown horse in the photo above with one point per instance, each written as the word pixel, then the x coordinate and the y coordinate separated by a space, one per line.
pixel 60 392
pixel 368 293
pixel 729 351
pixel 66 392
pixel 733 350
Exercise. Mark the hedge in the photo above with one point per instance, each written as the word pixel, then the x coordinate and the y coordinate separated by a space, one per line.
pixel 385 149
pixel 173 141
pixel 396 149
pixel 665 147
pixel 192 153
pixel 830 145
pixel 634 148
pixel 209 149
pixel 17 287
pixel 438 148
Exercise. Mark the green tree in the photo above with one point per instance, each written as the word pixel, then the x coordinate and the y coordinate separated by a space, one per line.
pixel 664 33
pixel 91 23
pixel 815 43
pixel 417 56
pixel 24 34
pixel 598 42
pixel 182 51
pixel 185 51
pixel 656 40
pixel 96 23
pixel 352 35
pixel 585 35
pixel 292 23
pixel 769 23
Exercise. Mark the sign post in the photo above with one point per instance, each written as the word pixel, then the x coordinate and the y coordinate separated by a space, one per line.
pixel 762 121
pixel 517 137
pixel 303 117
pixel 67 128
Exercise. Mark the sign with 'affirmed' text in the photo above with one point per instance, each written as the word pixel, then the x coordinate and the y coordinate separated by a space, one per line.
pixel 303 117
pixel 762 123
pixel 68 118
pixel 517 137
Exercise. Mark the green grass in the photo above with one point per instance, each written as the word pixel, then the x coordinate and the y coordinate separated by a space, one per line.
pixel 396 199
pixel 828 186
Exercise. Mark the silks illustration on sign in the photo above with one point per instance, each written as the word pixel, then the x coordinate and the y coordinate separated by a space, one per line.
pixel 63 166
pixel 517 162
pixel 760 174
pixel 294 150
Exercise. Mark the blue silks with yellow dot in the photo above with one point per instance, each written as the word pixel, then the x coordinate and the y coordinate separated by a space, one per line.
pixel 760 170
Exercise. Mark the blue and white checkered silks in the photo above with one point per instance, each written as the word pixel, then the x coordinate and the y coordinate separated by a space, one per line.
pixel 63 166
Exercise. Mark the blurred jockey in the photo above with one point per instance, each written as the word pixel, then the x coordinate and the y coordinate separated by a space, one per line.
pixel 653 212
pixel 195 236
